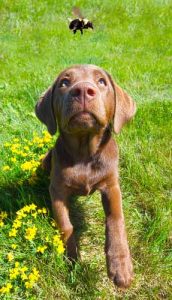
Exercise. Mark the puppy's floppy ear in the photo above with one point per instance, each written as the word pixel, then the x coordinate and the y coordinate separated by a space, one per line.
pixel 125 107
pixel 45 112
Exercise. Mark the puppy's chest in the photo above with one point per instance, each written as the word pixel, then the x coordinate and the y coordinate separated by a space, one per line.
pixel 82 179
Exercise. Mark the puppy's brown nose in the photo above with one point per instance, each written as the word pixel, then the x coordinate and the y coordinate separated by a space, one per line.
pixel 83 92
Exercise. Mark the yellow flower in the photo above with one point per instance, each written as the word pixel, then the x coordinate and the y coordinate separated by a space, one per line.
pixel 27 166
pixel 10 256
pixel 13 232
pixel 33 206
pixel 42 210
pixel 29 285
pixel 56 240
pixel 37 140
pixel 26 148
pixel 40 145
pixel 30 233
pixel 47 239
pixel 6 289
pixel 3 215
pixel 28 208
pixel 5 168
pixel 34 214
pixel 14 246
pixel 17 264
pixel 1 223
pixel 32 278
pixel 14 272
pixel 30 165
pixel 60 248
pixel 15 147
pixel 41 156
pixel 21 214
pixel 41 249
pixel 53 224
pixel 22 271
pixel 17 224
pixel 34 275
pixel 47 137
pixel 7 144
pixel 13 159
pixel 24 276
pixel 16 140
pixel 14 150
pixel 23 154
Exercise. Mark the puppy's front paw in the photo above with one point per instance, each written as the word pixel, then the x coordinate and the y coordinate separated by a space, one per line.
pixel 71 249
pixel 120 270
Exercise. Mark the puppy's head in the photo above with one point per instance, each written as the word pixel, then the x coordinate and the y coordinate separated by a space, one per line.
pixel 84 98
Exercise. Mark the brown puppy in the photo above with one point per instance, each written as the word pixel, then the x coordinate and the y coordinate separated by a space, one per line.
pixel 86 105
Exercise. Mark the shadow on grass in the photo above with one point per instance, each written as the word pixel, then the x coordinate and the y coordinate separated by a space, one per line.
pixel 77 217
pixel 83 279
pixel 14 196
pixel 79 283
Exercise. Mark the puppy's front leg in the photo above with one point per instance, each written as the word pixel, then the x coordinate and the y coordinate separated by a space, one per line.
pixel 119 265
pixel 61 214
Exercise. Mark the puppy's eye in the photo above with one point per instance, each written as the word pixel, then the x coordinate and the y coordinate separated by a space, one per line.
pixel 64 82
pixel 102 81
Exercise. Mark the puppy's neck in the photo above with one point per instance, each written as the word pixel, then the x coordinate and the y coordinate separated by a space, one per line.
pixel 83 147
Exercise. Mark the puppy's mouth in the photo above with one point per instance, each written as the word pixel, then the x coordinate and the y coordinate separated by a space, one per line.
pixel 83 115
pixel 83 121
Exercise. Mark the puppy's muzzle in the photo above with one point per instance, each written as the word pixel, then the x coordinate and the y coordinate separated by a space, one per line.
pixel 84 92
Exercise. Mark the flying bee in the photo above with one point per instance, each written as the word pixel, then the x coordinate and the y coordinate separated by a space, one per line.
pixel 80 23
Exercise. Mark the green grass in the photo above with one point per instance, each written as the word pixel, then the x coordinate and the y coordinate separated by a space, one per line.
pixel 132 41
